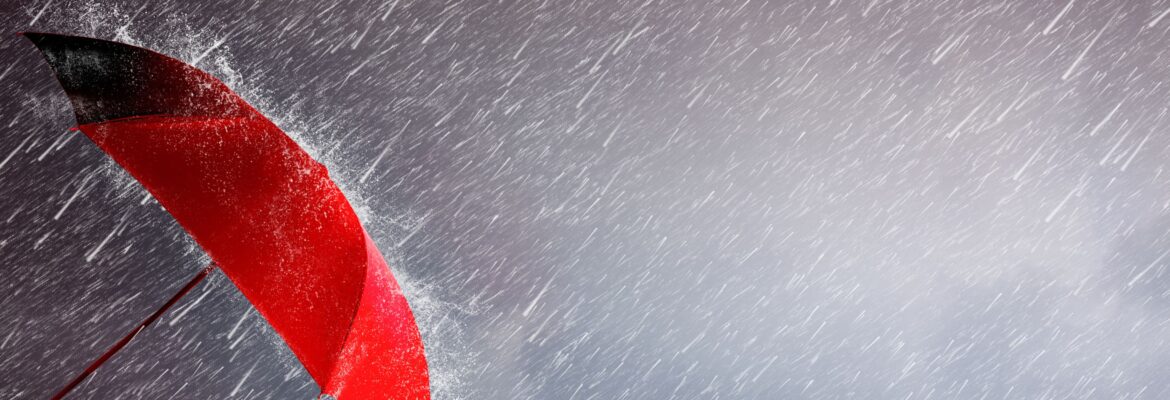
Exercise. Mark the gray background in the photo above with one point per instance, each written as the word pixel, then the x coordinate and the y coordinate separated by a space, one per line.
pixel 641 200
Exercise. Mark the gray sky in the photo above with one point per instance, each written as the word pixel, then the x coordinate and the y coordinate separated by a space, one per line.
pixel 642 200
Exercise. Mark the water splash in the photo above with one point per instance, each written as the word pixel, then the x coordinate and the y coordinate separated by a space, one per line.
pixel 211 50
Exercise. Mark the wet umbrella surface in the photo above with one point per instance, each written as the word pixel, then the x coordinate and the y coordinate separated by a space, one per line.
pixel 638 200
pixel 266 213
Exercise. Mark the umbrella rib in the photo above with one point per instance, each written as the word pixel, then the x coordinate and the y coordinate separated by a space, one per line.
pixel 353 319
pixel 134 332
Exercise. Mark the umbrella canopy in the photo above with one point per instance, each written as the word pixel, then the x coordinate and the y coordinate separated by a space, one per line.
pixel 267 213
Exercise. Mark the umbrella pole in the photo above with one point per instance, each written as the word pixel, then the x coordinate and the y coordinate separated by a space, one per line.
pixel 134 332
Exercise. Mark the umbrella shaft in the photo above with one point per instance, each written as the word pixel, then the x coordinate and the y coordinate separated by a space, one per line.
pixel 134 332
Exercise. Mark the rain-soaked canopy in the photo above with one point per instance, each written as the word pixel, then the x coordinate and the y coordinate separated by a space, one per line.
pixel 267 213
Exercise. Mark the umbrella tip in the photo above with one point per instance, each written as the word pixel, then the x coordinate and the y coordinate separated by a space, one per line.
pixel 35 37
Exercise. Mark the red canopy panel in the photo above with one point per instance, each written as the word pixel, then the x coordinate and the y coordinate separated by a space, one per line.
pixel 264 210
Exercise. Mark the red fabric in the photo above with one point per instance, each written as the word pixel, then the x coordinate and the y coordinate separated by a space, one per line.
pixel 277 225
pixel 281 230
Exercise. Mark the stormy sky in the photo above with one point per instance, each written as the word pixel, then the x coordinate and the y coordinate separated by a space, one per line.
pixel 649 199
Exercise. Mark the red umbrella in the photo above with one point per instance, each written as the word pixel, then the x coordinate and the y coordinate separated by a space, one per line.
pixel 266 212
